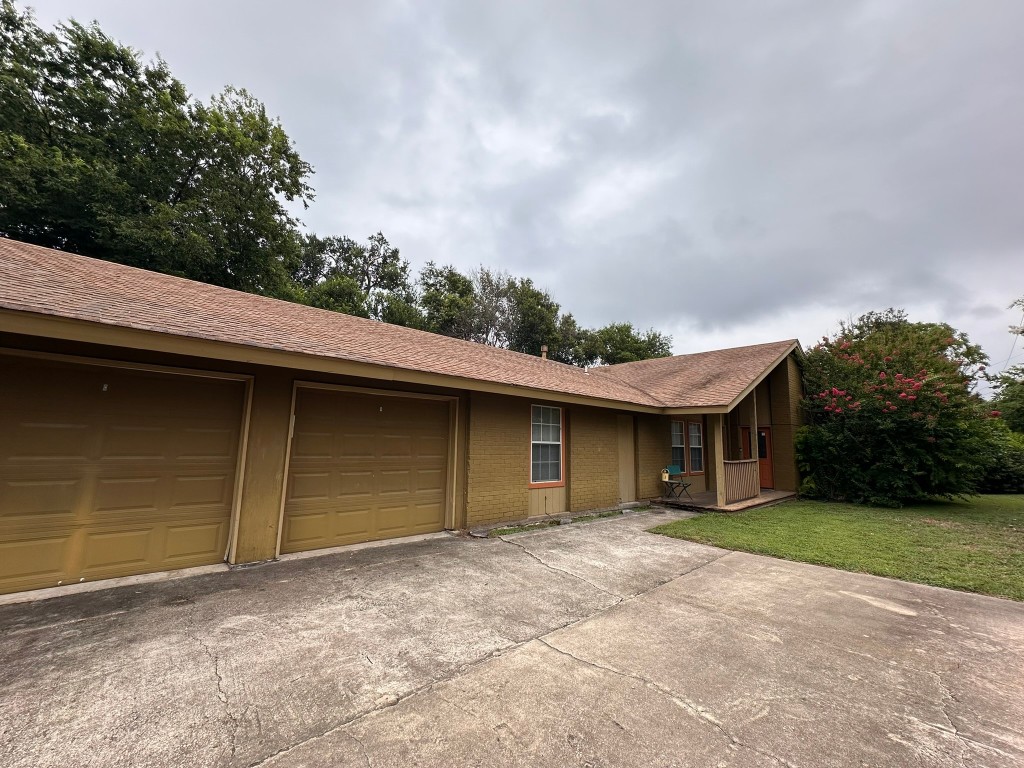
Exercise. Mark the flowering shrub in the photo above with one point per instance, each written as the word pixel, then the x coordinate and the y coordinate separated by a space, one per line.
pixel 891 413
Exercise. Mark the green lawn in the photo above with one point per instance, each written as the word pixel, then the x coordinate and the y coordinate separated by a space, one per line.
pixel 975 545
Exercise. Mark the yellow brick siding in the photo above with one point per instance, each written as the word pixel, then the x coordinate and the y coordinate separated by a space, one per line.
pixel 498 466
pixel 654 450
pixel 593 458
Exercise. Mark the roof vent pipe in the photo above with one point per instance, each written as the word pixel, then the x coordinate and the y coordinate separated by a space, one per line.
pixel 543 351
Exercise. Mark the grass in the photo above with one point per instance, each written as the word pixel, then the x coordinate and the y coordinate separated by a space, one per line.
pixel 496 532
pixel 975 545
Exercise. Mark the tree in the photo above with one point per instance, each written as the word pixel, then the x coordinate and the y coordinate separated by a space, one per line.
pixel 532 319
pixel 448 301
pixel 622 343
pixel 103 154
pixel 1009 385
pixel 491 317
pixel 892 414
pixel 338 293
pixel 573 344
pixel 375 278
pixel 1009 400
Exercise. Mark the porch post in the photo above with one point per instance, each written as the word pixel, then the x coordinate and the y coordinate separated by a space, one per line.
pixel 719 428
pixel 753 438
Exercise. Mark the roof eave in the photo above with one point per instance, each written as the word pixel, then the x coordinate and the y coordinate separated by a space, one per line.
pixel 92 332
pixel 795 344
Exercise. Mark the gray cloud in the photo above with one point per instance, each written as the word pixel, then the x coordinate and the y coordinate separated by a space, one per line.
pixel 726 172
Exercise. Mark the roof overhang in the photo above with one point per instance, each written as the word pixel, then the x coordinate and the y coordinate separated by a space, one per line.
pixel 89 332
pixel 746 390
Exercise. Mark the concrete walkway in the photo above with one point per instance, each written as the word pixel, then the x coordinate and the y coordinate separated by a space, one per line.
pixel 594 644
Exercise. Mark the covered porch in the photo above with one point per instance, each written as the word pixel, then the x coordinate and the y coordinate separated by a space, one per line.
pixel 744 451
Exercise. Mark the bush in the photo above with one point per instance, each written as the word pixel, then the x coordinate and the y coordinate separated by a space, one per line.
pixel 892 417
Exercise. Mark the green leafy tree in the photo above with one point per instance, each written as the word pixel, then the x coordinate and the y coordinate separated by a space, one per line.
pixel 622 343
pixel 1009 400
pixel 338 293
pixel 532 319
pixel 573 344
pixel 103 154
pixel 892 413
pixel 396 310
pixel 448 301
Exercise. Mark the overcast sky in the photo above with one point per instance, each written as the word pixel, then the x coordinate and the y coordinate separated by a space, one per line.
pixel 726 172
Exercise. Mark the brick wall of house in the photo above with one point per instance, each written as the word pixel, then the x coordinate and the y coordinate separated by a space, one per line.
pixel 498 466
pixel 654 451
pixel 593 458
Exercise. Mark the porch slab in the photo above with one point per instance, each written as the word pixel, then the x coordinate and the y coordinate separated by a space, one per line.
pixel 707 501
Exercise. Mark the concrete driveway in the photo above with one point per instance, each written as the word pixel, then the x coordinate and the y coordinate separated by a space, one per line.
pixel 594 644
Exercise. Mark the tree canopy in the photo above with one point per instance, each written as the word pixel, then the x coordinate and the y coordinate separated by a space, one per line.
pixel 105 154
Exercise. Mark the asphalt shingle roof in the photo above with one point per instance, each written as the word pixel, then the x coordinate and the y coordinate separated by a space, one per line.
pixel 50 282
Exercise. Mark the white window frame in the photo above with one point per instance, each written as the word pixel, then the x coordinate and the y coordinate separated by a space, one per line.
pixel 560 443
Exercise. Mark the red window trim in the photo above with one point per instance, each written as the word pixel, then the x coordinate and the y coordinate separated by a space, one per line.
pixel 686 446
pixel 561 450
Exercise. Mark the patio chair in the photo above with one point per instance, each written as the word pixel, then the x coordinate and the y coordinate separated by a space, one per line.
pixel 676 486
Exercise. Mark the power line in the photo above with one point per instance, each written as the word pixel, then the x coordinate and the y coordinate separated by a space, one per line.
pixel 1013 346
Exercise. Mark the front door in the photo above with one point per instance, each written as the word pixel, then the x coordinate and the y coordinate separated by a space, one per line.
pixel 764 455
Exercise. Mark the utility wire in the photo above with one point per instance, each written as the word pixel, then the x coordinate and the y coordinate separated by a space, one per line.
pixel 1013 346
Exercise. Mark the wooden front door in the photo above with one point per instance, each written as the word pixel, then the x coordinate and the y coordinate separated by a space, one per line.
pixel 764 455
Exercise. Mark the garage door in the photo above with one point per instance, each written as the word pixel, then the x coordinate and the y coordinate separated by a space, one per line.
pixel 364 467
pixel 111 472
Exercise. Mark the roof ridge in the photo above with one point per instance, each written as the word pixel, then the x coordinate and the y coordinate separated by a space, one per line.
pixel 656 360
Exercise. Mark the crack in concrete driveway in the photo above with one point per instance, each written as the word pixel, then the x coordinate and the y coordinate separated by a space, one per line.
pixel 591 644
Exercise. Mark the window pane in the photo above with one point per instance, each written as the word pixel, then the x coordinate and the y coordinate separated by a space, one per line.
pixel 696 460
pixel 677 457
pixel 695 434
pixel 546 448
pixel 677 433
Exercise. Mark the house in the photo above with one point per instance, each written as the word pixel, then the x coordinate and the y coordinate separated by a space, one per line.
pixel 150 423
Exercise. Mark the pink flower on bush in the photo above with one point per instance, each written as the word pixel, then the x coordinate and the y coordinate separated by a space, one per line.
pixel 996 414
pixel 881 374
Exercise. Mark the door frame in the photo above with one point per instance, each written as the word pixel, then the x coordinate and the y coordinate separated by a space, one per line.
pixel 453 437
pixel 769 450
pixel 243 432
pixel 747 449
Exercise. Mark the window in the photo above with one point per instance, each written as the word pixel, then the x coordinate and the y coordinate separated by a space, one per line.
pixel 678 444
pixel 696 447
pixel 546 445
pixel 688 446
